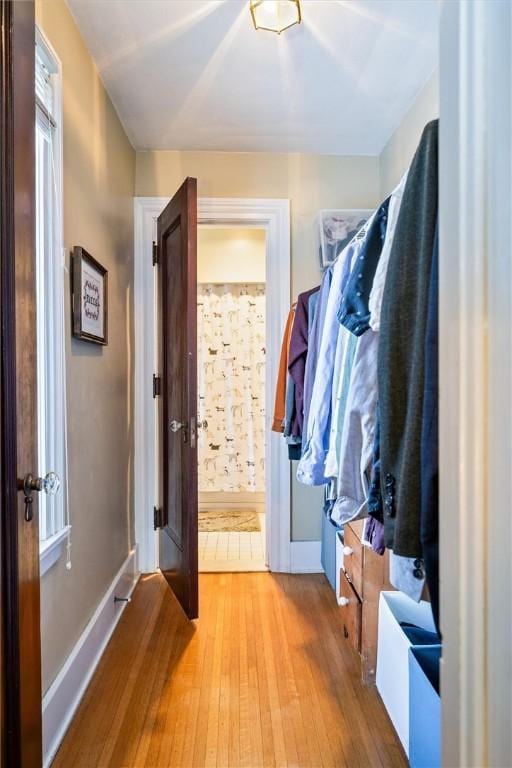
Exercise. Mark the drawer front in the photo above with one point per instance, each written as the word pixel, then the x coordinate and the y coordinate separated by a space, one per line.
pixel 351 614
pixel 353 559
pixel 357 527
pixel 376 569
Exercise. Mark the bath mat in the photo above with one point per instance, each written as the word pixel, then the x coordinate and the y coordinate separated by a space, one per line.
pixel 229 520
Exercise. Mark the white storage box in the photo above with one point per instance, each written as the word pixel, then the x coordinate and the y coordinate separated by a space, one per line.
pixel 393 655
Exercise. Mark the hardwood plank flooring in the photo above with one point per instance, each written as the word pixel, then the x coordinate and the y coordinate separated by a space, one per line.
pixel 263 678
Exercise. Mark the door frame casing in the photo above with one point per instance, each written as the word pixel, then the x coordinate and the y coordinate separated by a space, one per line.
pixel 273 216
pixel 475 423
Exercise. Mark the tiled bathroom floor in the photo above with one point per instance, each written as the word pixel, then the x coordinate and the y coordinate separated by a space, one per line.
pixel 232 551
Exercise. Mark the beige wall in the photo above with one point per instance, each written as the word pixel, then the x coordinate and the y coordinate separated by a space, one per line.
pixel 230 255
pixel 311 182
pixel 99 178
pixel 398 152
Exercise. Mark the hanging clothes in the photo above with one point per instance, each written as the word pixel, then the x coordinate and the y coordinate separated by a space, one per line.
pixel 368 394
pixel 379 280
pixel 289 399
pixel 429 531
pixel 402 349
pixel 360 493
pixel 297 354
pixel 312 305
pixel 344 361
pixel 373 535
pixel 354 311
pixel 358 433
pixel 355 416
pixel 294 442
pixel 280 398
pixel 311 469
pixel 375 505
pixel 314 338
pixel 289 408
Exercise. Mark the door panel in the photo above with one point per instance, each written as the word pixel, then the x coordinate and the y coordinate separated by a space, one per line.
pixel 177 248
pixel 175 290
pixel 21 655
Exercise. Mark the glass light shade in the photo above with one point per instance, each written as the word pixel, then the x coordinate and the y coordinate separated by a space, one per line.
pixel 275 15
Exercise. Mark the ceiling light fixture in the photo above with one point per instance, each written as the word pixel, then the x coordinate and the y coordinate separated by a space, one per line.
pixel 275 15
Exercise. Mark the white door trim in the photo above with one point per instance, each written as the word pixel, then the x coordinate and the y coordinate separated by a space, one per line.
pixel 476 381
pixel 274 217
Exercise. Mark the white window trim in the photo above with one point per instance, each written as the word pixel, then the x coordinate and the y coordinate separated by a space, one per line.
pixel 51 549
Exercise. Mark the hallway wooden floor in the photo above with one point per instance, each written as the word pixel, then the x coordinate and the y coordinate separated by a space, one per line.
pixel 264 678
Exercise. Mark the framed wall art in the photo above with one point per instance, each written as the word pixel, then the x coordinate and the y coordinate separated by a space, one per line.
pixel 90 298
pixel 336 228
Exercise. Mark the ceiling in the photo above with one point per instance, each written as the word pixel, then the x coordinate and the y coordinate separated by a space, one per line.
pixel 194 74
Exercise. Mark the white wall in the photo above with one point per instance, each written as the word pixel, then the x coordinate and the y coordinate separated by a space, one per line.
pixel 230 255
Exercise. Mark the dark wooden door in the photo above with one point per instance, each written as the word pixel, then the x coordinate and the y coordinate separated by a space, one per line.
pixel 19 537
pixel 177 259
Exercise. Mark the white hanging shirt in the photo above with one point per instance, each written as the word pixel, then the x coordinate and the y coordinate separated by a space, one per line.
pixel 379 281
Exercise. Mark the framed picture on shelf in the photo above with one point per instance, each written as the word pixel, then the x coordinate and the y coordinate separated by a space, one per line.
pixel 336 230
pixel 90 298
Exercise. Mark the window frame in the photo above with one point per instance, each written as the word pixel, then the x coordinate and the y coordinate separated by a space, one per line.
pixel 52 443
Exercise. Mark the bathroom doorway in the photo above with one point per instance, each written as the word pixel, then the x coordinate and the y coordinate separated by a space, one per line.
pixel 254 225
pixel 231 345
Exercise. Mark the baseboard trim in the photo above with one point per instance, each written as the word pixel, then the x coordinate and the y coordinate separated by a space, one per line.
pixel 305 557
pixel 65 693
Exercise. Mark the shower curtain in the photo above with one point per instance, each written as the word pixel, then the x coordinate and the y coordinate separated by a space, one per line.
pixel 231 378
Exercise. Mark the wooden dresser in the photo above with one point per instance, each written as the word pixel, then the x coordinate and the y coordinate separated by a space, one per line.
pixel 363 576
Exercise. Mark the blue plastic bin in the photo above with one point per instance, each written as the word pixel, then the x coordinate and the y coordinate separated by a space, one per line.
pixel 424 707
pixel 328 554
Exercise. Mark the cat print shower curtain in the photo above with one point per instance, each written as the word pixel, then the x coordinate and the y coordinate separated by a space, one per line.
pixel 231 376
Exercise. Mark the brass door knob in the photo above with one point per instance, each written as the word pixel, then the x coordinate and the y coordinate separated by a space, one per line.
pixel 50 484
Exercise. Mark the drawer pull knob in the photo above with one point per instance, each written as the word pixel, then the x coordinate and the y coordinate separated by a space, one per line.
pixel 344 601
pixel 347 551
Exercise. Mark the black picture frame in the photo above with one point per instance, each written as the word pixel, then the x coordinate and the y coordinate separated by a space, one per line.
pixel 89 298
